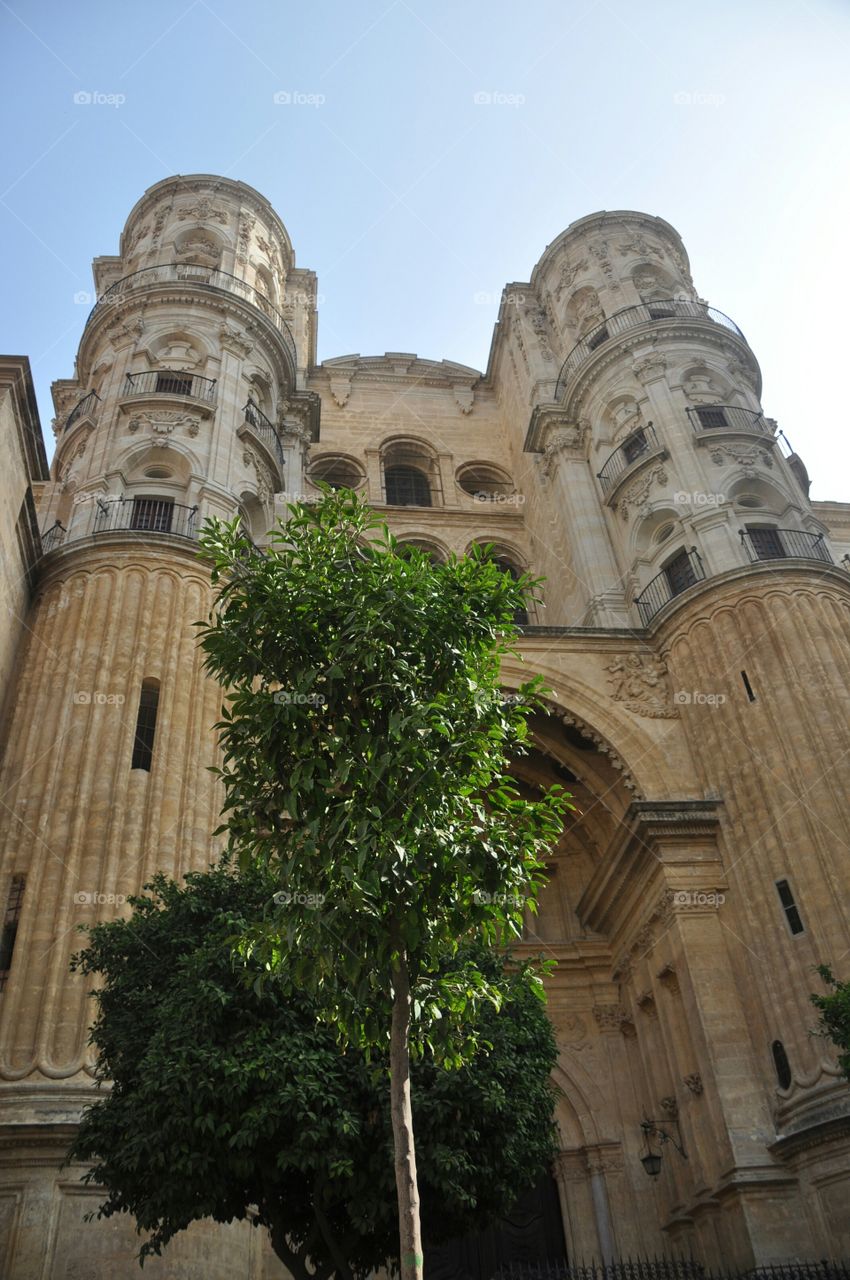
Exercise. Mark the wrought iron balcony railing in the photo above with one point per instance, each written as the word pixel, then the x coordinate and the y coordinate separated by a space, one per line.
pixel 145 516
pixel 209 277
pixel 681 573
pixel 83 409
pixel 141 515
pixel 766 543
pixel 632 318
pixel 168 382
pixel 727 417
pixel 264 430
pixel 53 537
pixel 635 445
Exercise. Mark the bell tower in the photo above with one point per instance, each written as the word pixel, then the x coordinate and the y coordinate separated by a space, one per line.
pixel 189 400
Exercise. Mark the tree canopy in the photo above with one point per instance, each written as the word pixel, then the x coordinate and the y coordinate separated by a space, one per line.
pixel 366 750
pixel 834 1009
pixel 229 1099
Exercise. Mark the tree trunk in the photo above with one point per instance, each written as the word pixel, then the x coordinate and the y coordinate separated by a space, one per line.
pixel 410 1237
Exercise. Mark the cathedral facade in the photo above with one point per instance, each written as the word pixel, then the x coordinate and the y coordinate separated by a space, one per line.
pixel 693 629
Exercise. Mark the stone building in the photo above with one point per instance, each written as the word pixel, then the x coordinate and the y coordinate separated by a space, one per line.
pixel 693 631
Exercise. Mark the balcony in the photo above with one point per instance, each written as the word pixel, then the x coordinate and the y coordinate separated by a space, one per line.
pixel 84 409
pixel 646 313
pixel 167 382
pixel 705 418
pixel 636 445
pixel 142 516
pixel 264 430
pixel 208 277
pixel 677 575
pixel 763 542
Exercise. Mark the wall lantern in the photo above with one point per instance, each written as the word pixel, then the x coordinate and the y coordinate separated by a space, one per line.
pixel 655 1135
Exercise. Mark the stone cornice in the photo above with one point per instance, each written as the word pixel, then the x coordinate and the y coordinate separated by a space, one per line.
pixel 399 368
pixel 658 335
pixel 251 318
pixel 783 572
pixel 16 380
pixel 664 859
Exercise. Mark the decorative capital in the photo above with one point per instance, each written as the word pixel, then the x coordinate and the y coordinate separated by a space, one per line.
pixel 650 369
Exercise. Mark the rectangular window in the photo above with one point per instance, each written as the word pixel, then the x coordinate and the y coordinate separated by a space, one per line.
pixel 635 445
pixel 789 906
pixel 152 514
pixel 145 726
pixel 766 542
pixel 14 906
pixel 680 573
pixel 710 417
pixel 175 384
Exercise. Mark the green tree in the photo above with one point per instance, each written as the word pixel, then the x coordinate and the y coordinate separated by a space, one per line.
pixel 834 1009
pixel 366 746
pixel 230 1099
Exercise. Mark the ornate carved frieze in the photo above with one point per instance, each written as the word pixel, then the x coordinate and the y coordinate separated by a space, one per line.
pixel 638 245
pixel 203 210
pixel 569 274
pixel 743 456
pixel 640 682
pixel 637 494
pixel 162 423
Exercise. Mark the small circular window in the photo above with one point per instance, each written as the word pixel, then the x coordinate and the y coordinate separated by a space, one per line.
pixel 750 501
pixel 158 473
pixel 664 532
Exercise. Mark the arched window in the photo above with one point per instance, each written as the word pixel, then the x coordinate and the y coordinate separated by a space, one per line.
pixel 781 1064
pixel 410 474
pixel 407 487
pixel 337 471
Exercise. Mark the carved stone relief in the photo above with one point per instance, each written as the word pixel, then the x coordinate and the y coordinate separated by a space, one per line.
pixel 638 493
pixel 640 683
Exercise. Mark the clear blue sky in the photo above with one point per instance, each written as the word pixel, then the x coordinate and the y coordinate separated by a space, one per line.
pixel 409 198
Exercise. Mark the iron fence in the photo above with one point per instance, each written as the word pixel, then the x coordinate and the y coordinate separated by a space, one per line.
pixel 670 1269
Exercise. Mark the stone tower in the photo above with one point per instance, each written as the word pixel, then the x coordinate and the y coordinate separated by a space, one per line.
pixel 692 628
